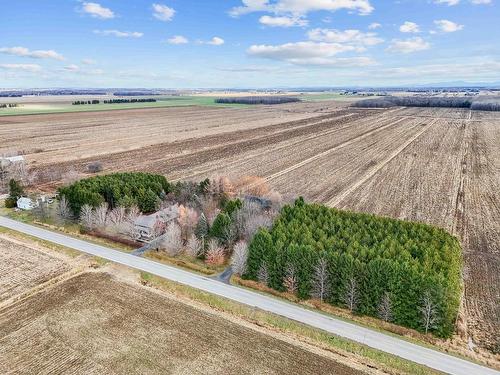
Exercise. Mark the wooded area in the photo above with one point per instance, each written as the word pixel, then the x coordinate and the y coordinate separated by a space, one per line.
pixel 490 104
pixel 118 189
pixel 409 273
pixel 258 100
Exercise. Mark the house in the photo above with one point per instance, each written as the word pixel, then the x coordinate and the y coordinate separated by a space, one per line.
pixel 148 227
pixel 25 203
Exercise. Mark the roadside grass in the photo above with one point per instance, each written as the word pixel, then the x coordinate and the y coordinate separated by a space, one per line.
pixel 50 245
pixel 387 328
pixel 72 229
pixel 344 347
pixel 182 261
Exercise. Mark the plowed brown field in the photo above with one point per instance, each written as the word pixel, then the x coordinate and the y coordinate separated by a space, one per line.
pixel 93 324
pixel 22 268
pixel 436 165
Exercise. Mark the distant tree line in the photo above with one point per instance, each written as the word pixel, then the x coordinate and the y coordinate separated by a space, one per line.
pixel 120 101
pixel 83 102
pixel 8 105
pixel 492 104
pixel 407 273
pixel 483 104
pixel 258 100
pixel 114 101
pixel 143 190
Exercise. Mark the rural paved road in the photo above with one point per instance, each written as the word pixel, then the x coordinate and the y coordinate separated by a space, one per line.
pixel 377 340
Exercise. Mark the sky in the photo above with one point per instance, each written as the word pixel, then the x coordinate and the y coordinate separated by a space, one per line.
pixel 247 43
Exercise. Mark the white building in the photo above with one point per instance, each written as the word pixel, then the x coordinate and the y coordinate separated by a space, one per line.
pixel 25 203
pixel 12 159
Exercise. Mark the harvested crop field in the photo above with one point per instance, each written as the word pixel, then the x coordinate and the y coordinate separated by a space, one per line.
pixel 22 268
pixel 436 165
pixel 54 137
pixel 94 324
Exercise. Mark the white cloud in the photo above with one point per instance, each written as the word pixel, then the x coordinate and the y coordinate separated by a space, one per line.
pixel 409 27
pixel 310 53
pixel 178 39
pixel 22 67
pixel 447 2
pixel 408 45
pixel 448 26
pixel 163 12
pixel 119 34
pixel 298 50
pixel 97 10
pixel 374 25
pixel 456 2
pixel 216 41
pixel 282 21
pixel 345 62
pixel 72 68
pixel 354 37
pixel 38 54
pixel 301 7
pixel 88 62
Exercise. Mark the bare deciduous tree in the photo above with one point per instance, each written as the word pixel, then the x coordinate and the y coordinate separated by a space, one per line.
pixel 351 294
pixel 117 216
pixel 385 307
pixel 290 281
pixel 263 274
pixel 70 176
pixel 215 253
pixel 252 185
pixel 321 286
pixel 63 209
pixel 428 311
pixel 187 219
pixel 254 223
pixel 172 240
pixel 239 258
pixel 87 217
pixel 193 246
pixel 41 211
pixel 95 167
pixel 100 215
pixel 128 227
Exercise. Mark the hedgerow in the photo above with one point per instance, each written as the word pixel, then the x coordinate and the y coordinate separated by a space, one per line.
pixel 407 260
pixel 118 189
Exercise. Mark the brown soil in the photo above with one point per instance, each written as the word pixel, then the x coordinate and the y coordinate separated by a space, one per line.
pixel 435 165
pixel 95 324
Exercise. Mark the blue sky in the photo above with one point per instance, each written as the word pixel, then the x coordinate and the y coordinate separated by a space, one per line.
pixel 250 43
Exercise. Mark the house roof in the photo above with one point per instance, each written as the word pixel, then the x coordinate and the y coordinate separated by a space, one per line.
pixel 148 221
pixel 24 200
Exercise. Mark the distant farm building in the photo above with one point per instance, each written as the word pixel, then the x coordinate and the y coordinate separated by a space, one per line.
pixel 7 160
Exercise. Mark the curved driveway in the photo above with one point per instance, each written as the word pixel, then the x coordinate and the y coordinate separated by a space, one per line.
pixel 390 344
